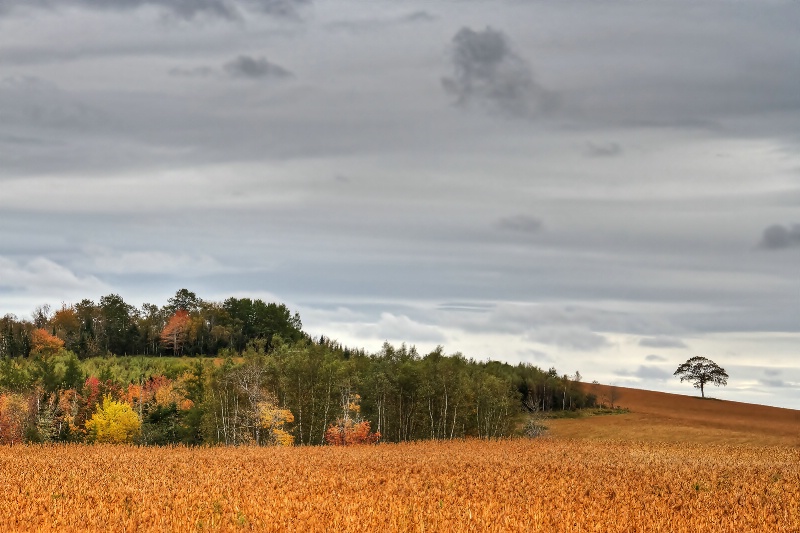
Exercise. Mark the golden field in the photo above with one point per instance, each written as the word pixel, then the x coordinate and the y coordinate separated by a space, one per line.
pixel 547 484
pixel 664 417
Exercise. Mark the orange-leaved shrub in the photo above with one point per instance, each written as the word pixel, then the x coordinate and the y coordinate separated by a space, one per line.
pixel 349 432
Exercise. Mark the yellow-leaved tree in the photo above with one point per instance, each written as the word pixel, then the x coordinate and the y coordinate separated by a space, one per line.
pixel 114 422
pixel 272 418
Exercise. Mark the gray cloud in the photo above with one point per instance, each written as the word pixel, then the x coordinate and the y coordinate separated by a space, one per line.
pixel 372 24
pixel 653 358
pixel 578 339
pixel 241 67
pixel 44 275
pixel 646 372
pixel 398 328
pixel 254 68
pixel 508 317
pixel 608 149
pixel 192 72
pixel 29 101
pixel 419 16
pixel 186 9
pixel 662 342
pixel 283 8
pixel 777 237
pixel 535 355
pixel 520 224
pixel 775 383
pixel 778 378
pixel 25 141
pixel 488 73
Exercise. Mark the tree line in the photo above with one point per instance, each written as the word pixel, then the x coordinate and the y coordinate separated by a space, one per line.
pixel 186 325
pixel 281 387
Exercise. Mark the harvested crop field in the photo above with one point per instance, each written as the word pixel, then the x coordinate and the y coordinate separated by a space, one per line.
pixel 662 417
pixel 521 485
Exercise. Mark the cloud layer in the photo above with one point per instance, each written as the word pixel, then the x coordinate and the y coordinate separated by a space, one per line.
pixel 595 189
pixel 187 9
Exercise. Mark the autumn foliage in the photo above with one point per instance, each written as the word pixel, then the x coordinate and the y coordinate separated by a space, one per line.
pixel 175 333
pixel 44 343
pixel 114 423
pixel 273 419
pixel 350 428
pixel 350 432
pixel 13 414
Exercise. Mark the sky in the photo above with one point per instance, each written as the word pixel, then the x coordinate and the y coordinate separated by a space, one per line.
pixel 604 187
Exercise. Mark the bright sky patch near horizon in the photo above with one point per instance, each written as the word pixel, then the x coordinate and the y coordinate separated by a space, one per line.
pixel 608 187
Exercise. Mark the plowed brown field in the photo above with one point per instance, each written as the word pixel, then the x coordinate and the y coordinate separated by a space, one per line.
pixel 524 485
pixel 662 417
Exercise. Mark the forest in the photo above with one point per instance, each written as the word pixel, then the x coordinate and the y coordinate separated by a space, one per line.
pixel 244 372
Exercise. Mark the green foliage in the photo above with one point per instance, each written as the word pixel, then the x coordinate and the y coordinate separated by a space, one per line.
pixel 44 371
pixel 73 376
pixel 263 359
pixel 162 426
pixel 112 326
pixel 132 369
pixel 14 375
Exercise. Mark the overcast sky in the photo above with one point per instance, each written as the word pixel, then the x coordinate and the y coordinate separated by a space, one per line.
pixel 608 187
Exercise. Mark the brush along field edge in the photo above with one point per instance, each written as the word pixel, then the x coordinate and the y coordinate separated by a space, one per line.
pixel 519 485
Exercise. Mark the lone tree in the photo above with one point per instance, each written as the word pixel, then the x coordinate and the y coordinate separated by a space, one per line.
pixel 700 371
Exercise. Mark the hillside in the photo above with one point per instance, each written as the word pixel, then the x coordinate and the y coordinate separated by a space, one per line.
pixel 662 417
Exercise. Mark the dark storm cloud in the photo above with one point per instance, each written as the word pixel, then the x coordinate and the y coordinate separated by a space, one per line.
pixel 187 9
pixel 520 224
pixel 777 237
pixel 662 342
pixel 254 68
pixel 653 358
pixel 488 73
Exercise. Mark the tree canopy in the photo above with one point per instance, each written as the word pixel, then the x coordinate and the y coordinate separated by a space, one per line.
pixel 264 381
pixel 699 371
pixel 186 325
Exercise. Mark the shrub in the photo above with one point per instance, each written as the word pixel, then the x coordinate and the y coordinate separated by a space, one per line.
pixel 114 422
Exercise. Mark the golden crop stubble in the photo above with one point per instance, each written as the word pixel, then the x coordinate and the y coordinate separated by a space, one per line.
pixel 544 485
